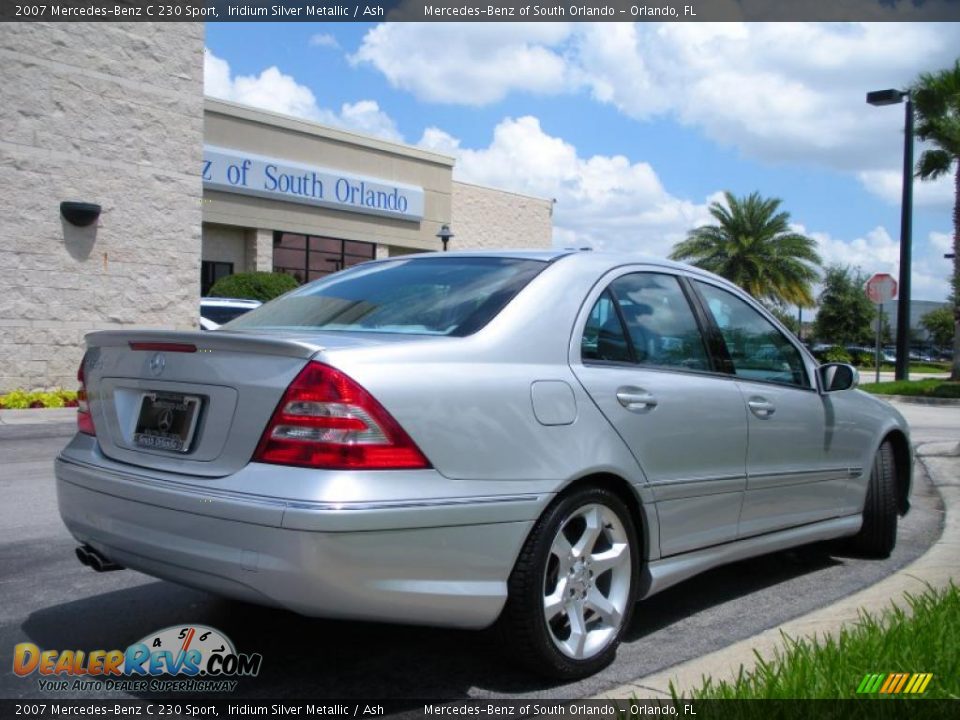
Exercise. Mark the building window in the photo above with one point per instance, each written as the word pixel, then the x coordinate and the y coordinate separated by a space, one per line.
pixel 211 271
pixel 308 257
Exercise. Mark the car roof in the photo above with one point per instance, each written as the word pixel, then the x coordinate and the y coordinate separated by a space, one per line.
pixel 587 257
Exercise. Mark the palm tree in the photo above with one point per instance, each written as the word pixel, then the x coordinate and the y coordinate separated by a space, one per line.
pixel 754 247
pixel 936 104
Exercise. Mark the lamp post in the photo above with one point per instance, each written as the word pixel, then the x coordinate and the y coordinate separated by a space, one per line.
pixel 445 235
pixel 894 97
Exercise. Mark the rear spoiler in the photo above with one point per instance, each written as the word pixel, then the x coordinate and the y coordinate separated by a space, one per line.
pixel 207 341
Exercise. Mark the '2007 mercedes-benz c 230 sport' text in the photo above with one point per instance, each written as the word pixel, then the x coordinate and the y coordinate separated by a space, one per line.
pixel 529 439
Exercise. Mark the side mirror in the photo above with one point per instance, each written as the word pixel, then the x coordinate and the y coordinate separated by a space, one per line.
pixel 838 376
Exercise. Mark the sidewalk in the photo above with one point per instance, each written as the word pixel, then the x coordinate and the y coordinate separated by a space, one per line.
pixel 48 416
pixel 940 563
pixel 868 377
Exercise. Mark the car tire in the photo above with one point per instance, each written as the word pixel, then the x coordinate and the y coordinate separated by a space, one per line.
pixel 572 590
pixel 878 534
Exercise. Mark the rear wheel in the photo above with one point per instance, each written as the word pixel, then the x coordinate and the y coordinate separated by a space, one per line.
pixel 572 590
pixel 878 534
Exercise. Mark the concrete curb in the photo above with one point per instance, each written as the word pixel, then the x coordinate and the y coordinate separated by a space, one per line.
pixel 936 568
pixel 38 416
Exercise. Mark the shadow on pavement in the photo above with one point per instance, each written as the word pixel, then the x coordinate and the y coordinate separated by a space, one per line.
pixel 310 657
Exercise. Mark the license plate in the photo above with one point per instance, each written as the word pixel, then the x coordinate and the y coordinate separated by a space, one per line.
pixel 166 421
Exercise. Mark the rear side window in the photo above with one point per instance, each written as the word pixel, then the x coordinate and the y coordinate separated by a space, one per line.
pixel 658 327
pixel 427 296
pixel 604 337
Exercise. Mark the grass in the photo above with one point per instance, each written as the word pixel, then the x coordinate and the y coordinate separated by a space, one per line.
pixel 929 387
pixel 925 640
pixel 915 366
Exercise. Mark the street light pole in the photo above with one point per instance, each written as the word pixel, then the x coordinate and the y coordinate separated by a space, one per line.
pixel 894 97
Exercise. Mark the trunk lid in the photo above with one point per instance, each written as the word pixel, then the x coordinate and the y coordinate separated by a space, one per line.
pixel 220 395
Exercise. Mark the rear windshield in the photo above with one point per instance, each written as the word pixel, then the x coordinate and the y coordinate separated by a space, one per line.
pixel 428 296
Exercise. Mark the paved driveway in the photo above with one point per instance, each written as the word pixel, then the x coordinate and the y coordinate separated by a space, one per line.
pixel 53 601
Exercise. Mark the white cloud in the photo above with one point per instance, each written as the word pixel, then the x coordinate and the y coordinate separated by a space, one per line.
pixel 324 40
pixel 439 141
pixel 877 251
pixel 941 242
pixel 888 185
pixel 275 91
pixel 602 201
pixel 782 92
pixel 468 63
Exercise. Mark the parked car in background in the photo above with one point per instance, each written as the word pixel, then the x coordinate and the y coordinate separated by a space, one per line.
pixel 215 311
pixel 534 440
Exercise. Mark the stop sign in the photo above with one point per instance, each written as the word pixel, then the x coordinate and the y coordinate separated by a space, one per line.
pixel 881 288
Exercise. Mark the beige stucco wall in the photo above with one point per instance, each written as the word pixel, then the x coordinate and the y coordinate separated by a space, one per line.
pixel 237 127
pixel 486 218
pixel 110 113
pixel 225 244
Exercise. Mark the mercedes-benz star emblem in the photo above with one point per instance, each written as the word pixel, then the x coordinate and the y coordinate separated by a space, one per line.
pixel 157 363
pixel 165 421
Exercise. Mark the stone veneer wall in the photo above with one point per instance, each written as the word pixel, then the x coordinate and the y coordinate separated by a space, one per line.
pixel 110 113
pixel 485 218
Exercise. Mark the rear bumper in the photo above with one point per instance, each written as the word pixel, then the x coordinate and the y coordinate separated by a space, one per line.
pixel 439 561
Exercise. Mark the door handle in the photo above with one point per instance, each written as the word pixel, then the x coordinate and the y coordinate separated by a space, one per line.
pixel 636 399
pixel 761 407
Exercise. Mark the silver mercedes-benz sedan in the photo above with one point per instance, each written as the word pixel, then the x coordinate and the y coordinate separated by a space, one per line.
pixel 532 439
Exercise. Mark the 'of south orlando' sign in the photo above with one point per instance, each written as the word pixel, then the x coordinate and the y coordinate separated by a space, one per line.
pixel 240 172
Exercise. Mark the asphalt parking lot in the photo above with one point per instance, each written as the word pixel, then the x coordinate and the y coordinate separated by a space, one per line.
pixel 53 601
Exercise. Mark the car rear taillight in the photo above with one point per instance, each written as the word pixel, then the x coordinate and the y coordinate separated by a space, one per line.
pixel 84 418
pixel 326 420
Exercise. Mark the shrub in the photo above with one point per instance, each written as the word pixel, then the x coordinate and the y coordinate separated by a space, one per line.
pixel 21 399
pixel 16 400
pixel 837 354
pixel 261 286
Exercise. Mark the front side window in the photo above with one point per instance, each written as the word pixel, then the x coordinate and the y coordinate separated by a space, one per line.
pixel 759 351
pixel 660 328
pixel 422 296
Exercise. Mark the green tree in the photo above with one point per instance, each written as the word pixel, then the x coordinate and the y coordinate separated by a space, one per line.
pixel 939 325
pixel 845 314
pixel 753 246
pixel 787 319
pixel 936 104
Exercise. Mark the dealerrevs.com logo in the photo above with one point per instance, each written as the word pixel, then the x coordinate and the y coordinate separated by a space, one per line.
pixel 894 683
pixel 182 658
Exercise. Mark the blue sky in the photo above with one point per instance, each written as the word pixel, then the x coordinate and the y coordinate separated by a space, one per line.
pixel 634 129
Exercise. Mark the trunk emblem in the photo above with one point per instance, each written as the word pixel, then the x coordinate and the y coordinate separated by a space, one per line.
pixel 157 363
pixel 166 421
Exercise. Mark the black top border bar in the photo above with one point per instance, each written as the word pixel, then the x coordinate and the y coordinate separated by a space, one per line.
pixel 478 10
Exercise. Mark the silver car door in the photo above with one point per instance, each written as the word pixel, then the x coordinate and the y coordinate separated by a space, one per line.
pixel 643 362
pixel 790 478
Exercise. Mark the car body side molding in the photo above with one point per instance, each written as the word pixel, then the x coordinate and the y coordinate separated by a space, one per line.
pixel 660 574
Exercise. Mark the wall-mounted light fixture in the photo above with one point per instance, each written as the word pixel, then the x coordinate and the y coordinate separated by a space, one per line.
pixel 445 235
pixel 80 214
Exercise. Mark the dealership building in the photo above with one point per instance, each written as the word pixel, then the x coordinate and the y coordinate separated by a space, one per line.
pixel 128 193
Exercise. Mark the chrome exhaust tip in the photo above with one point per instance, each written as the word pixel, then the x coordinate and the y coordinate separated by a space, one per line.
pixel 83 556
pixel 93 559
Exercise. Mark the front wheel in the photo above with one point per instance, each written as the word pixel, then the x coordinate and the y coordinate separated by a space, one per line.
pixel 878 534
pixel 572 590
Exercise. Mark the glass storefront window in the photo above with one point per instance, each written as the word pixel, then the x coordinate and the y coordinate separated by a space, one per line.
pixel 308 257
